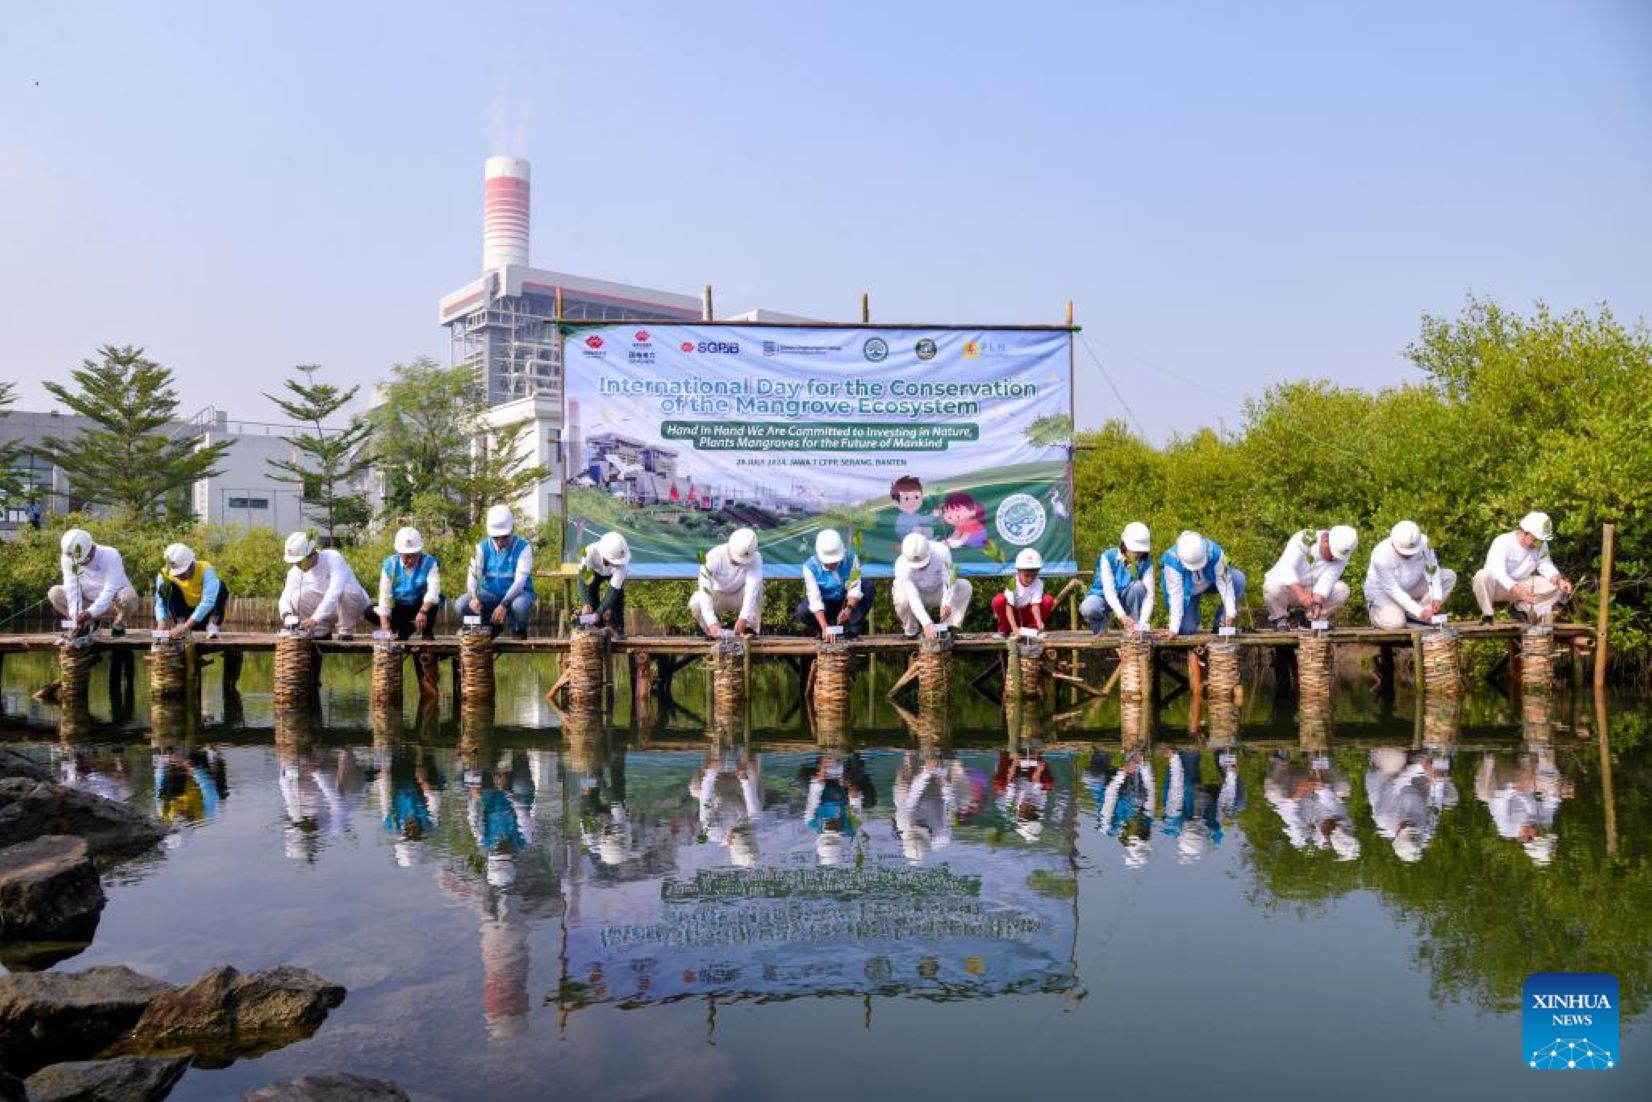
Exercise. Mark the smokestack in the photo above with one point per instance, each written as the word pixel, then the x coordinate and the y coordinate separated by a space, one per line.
pixel 504 213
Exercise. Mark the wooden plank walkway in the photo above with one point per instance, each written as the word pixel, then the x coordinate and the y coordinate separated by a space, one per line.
pixel 804 645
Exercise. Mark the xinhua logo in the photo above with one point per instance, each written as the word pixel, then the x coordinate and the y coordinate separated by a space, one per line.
pixel 1569 1021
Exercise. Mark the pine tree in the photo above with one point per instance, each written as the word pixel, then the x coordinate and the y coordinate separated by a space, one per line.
pixel 326 461
pixel 11 481
pixel 136 454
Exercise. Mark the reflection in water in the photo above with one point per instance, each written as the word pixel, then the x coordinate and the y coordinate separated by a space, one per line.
pixel 1125 802
pixel 1524 796
pixel 1310 795
pixel 1407 793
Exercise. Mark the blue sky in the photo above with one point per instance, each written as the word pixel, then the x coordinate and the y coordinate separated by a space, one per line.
pixel 1233 194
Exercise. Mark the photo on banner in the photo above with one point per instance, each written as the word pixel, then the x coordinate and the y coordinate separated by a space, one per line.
pixel 676 435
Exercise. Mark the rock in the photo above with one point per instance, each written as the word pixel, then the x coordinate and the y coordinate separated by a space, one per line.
pixel 54 1016
pixel 124 1079
pixel 30 808
pixel 13 764
pixel 330 1088
pixel 224 1014
pixel 49 890
pixel 11 1090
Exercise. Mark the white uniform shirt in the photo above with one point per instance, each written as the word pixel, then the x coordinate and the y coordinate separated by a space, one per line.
pixel 596 564
pixel 1393 575
pixel 1110 591
pixel 1509 564
pixel 721 574
pixel 327 580
pixel 1173 592
pixel 519 581
pixel 1301 564
pixel 104 576
pixel 928 584
pixel 1025 596
pixel 851 592
pixel 432 589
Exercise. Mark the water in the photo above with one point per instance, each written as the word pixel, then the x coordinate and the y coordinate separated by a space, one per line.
pixel 518 907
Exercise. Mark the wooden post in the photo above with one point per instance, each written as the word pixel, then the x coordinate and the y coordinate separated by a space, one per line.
pixel 709 314
pixel 1607 793
pixel 1417 663
pixel 1608 535
pixel 865 308
pixel 1069 313
pixel 1195 674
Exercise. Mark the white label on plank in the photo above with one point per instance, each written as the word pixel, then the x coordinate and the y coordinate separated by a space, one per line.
pixel 65 623
pixel 159 634
pixel 587 617
pixel 473 621
pixel 382 636
pixel 1030 633
pixel 1225 632
pixel 834 629
pixel 1440 619
pixel 1320 625
pixel 1543 609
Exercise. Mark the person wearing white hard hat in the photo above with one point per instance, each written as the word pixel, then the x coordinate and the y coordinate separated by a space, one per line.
pixel 731 583
pixel 410 588
pixel 1404 581
pixel 925 578
pixel 606 560
pixel 1193 567
pixel 729 789
pixel 188 594
pixel 1123 583
pixel 1524 799
pixel 1519 572
pixel 1407 794
pixel 1307 579
pixel 834 593
pixel 1024 603
pixel 322 590
pixel 499 582
pixel 94 586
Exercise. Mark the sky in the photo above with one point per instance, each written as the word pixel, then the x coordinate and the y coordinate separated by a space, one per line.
pixel 1232 194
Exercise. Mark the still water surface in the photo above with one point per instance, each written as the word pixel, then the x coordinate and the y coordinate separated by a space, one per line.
pixel 529 904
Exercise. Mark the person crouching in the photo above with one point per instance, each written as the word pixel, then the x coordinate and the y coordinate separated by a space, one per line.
pixel 410 589
pixel 1024 603
pixel 189 594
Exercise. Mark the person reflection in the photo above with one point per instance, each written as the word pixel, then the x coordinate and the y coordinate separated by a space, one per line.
pixel 1125 803
pixel 409 789
pixel 493 820
pixel 926 801
pixel 1523 798
pixel 1023 782
pixel 1309 799
pixel 834 805
pixel 605 823
pixel 190 787
pixel 317 799
pixel 730 791
pixel 100 772
pixel 1407 793
pixel 1194 811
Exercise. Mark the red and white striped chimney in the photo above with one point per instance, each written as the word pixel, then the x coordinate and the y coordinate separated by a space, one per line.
pixel 504 213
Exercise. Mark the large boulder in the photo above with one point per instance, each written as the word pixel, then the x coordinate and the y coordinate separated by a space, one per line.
pixel 330 1088
pixel 225 1015
pixel 123 1079
pixel 31 808
pixel 11 1089
pixel 49 890
pixel 13 764
pixel 50 1017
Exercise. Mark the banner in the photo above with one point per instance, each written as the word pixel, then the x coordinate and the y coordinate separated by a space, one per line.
pixel 676 435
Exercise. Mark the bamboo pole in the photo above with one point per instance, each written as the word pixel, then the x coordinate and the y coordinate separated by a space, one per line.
pixel 709 314
pixel 1608 534
pixel 865 308
pixel 1607 792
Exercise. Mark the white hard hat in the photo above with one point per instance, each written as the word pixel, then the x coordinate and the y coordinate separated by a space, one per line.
pixel 1540 849
pixel 179 558
pixel 1192 550
pixel 407 854
pixel 76 543
pixel 611 849
pixel 1137 538
pixel 1030 829
pixel 1136 853
pixel 1028 558
pixel 408 541
pixel 829 848
pixel 1344 843
pixel 1406 537
pixel 1538 525
pixel 299 547
pixel 1343 541
pixel 742 545
pixel 742 847
pixel 915 549
pixel 1408 844
pixel 829 547
pixel 915 843
pixel 501 522
pixel 613 549
pixel 501 870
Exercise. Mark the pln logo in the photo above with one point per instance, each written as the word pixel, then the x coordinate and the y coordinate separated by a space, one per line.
pixel 1569 1021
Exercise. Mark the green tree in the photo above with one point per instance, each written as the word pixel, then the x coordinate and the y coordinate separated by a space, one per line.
pixel 135 454
pixel 499 469
pixel 11 482
pixel 327 460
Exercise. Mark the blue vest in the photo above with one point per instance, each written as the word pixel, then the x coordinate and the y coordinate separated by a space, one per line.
pixel 832 580
pixel 407 588
pixel 1124 570
pixel 499 568
pixel 1213 559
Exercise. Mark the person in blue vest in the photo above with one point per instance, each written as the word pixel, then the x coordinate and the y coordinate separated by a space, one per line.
pixel 410 589
pixel 834 591
pixel 1192 568
pixel 1123 585
pixel 499 583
